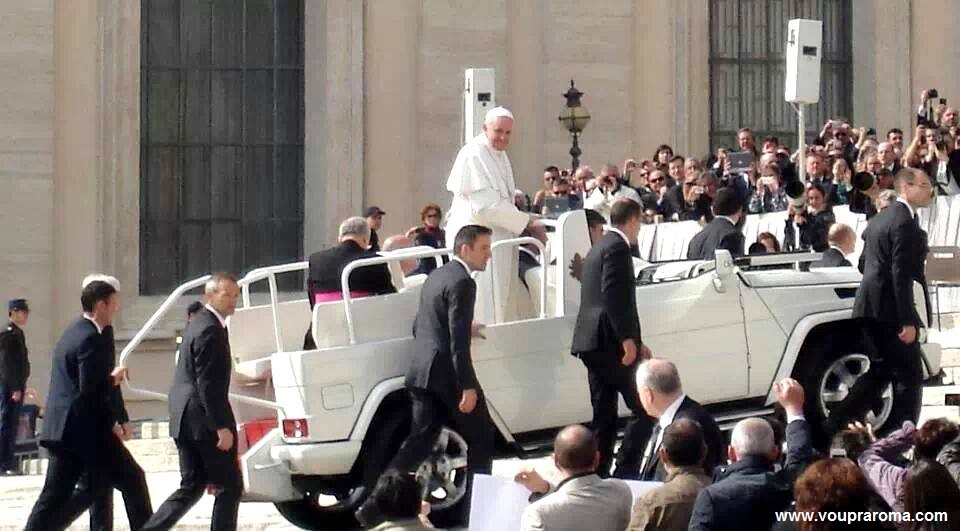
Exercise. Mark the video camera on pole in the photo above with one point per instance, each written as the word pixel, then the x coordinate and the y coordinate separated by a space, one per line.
pixel 479 96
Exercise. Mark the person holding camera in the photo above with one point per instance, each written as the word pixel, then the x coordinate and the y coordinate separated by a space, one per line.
pixel 689 201
pixel 766 194
pixel 608 191
pixel 932 114
pixel 942 162
pixel 807 226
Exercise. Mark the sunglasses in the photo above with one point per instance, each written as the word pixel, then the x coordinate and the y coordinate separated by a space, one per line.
pixel 658 179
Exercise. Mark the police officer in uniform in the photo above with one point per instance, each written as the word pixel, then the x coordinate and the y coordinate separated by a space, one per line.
pixel 14 370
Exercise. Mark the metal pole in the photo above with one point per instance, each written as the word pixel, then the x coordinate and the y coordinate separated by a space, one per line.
pixel 802 148
pixel 575 152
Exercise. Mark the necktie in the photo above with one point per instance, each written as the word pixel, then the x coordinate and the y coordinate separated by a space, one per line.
pixel 650 452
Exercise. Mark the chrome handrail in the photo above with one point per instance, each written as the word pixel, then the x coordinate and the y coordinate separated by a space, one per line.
pixel 392 257
pixel 525 240
pixel 152 322
pixel 270 274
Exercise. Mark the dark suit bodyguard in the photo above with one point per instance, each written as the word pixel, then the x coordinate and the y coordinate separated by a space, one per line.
pixel 607 339
pixel 443 386
pixel 14 371
pixel 78 429
pixel 201 419
pixel 722 232
pixel 895 250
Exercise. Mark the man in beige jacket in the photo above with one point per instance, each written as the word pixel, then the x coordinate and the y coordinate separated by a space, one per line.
pixel 582 500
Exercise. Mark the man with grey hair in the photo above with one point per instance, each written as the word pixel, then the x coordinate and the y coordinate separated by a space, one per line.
pixel 662 396
pixel 750 491
pixel 323 282
pixel 202 422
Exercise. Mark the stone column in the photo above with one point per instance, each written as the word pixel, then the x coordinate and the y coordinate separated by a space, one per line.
pixel 334 126
pixel 391 180
pixel 525 77
pixel 882 95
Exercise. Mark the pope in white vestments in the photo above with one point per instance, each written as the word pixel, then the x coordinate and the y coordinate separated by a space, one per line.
pixel 482 185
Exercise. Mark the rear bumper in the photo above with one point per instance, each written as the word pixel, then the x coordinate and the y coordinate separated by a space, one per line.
pixel 932 355
pixel 321 459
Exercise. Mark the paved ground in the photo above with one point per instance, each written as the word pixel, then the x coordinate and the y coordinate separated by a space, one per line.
pixel 17 494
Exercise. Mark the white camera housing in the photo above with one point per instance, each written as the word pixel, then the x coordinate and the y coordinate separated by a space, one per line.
pixel 479 96
pixel 804 51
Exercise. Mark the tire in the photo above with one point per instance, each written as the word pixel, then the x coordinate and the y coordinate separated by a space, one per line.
pixel 831 363
pixel 384 440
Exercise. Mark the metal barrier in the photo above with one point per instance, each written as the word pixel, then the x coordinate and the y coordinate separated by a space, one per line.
pixel 270 274
pixel 543 257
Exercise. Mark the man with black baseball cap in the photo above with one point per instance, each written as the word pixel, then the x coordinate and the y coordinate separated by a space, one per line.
pixel 374 217
pixel 14 370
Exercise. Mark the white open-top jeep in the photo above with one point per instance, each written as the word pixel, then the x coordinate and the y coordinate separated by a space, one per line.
pixel 318 426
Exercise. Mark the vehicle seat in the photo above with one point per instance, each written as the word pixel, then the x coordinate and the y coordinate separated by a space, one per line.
pixel 375 318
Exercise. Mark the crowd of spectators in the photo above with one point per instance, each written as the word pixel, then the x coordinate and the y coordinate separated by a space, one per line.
pixel 905 481
pixel 843 165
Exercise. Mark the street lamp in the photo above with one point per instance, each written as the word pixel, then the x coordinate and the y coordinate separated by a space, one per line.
pixel 574 118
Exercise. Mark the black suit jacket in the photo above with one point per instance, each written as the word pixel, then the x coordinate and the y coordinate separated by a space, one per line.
pixel 608 303
pixel 690 409
pixel 442 363
pixel 326 267
pixel 14 364
pixel 832 258
pixel 894 252
pixel 749 492
pixel 718 234
pixel 117 406
pixel 79 411
pixel 199 404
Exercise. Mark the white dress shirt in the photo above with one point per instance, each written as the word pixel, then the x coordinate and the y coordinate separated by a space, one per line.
pixel 219 317
pixel 667 418
pixel 89 317
pixel 622 235
pixel 464 264
pixel 904 201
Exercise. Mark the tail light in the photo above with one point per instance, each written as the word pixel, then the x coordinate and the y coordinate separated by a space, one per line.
pixel 254 430
pixel 295 428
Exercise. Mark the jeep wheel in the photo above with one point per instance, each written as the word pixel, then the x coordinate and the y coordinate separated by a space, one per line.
pixel 446 475
pixel 332 507
pixel 829 368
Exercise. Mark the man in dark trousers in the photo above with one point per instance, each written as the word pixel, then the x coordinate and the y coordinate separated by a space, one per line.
pixel 443 387
pixel 14 371
pixel 894 252
pixel 607 339
pixel 722 232
pixel 662 396
pixel 78 428
pixel 201 419
pixel 95 491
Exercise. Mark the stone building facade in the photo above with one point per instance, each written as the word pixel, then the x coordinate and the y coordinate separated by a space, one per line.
pixel 381 93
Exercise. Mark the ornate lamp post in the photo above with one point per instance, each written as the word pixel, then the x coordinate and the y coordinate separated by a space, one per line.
pixel 574 118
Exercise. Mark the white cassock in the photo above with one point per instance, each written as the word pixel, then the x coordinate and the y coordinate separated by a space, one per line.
pixel 482 185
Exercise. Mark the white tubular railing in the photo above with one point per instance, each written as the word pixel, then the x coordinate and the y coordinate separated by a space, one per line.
pixel 392 257
pixel 270 274
pixel 516 242
pixel 152 322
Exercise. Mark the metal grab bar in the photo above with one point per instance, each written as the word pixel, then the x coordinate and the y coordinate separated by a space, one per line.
pixel 392 257
pixel 543 258
pixel 270 273
pixel 152 322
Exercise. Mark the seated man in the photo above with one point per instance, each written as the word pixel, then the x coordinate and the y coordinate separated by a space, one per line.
pixel 323 282
pixel 842 240
pixel 582 500
pixel 669 506
pixel 397 505
pixel 750 491
pixel 662 396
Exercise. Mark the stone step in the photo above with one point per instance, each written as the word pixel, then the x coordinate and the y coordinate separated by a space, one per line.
pixel 149 463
